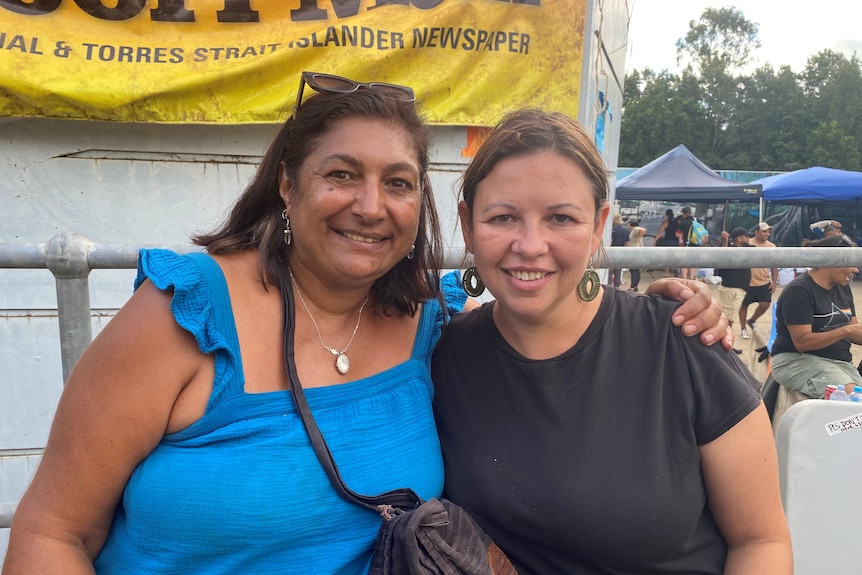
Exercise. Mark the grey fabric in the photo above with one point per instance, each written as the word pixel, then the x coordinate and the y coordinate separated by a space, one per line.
pixel 421 542
pixel 678 176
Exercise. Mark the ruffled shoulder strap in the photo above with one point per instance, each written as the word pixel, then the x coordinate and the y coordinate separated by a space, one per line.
pixel 434 316
pixel 453 292
pixel 201 305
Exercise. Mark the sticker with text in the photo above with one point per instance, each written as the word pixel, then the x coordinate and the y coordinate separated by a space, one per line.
pixel 845 424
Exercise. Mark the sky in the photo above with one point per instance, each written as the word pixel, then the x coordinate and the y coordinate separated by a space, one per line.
pixel 790 30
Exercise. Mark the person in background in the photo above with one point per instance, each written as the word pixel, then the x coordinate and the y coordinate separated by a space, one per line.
pixel 734 281
pixel 619 237
pixel 762 286
pixel 832 230
pixel 176 446
pixel 815 325
pixel 636 240
pixel 666 235
pixel 826 228
pixel 577 454
pixel 684 226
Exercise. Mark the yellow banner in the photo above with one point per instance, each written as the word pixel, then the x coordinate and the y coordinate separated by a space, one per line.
pixel 239 61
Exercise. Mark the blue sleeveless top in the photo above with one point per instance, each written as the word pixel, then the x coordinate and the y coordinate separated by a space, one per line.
pixel 241 490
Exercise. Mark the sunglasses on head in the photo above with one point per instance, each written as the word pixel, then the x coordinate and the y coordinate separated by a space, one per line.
pixel 330 84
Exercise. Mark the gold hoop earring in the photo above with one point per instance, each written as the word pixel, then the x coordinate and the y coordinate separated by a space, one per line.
pixel 588 287
pixel 473 284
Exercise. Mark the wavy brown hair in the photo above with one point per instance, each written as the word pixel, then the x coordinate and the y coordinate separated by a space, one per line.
pixel 255 219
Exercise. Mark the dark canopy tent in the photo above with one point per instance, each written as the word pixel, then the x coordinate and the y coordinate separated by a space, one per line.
pixel 678 176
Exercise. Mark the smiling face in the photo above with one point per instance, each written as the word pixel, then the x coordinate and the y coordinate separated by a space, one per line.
pixel 533 226
pixel 354 205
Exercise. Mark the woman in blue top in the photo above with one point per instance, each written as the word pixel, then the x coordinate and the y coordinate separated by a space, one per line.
pixel 176 447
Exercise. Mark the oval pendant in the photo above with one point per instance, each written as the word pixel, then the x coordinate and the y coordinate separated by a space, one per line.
pixel 342 364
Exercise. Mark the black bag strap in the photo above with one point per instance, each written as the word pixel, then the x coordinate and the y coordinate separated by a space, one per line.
pixel 404 498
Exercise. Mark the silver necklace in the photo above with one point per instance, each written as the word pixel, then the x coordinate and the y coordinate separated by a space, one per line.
pixel 342 362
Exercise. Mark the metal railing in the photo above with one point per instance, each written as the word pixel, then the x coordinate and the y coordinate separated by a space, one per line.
pixel 70 258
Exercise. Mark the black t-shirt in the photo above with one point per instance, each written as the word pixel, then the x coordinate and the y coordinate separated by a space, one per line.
pixel 735 278
pixel 803 302
pixel 670 230
pixel 684 226
pixel 588 462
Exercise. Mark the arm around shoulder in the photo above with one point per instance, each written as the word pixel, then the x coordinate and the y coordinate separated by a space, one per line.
pixel 699 314
pixel 113 411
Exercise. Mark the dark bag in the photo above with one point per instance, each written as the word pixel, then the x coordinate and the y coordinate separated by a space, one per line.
pixel 438 537
pixel 416 537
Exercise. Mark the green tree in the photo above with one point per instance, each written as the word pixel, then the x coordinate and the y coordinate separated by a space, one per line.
pixel 716 48
pixel 633 83
pixel 722 39
pixel 662 114
pixel 771 123
pixel 819 70
pixel 831 146
pixel 833 83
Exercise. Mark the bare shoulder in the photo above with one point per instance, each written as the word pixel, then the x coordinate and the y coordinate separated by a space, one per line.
pixel 241 262
pixel 243 275
pixel 140 362
pixel 114 410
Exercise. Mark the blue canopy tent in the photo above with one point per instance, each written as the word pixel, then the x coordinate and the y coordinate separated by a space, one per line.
pixel 806 189
pixel 811 185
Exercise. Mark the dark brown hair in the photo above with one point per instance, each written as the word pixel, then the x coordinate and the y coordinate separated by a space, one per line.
pixel 530 131
pixel 255 220
pixel 842 241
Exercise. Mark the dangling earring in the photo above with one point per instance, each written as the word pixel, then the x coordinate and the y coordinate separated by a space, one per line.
pixel 588 287
pixel 288 235
pixel 471 277
pixel 412 252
